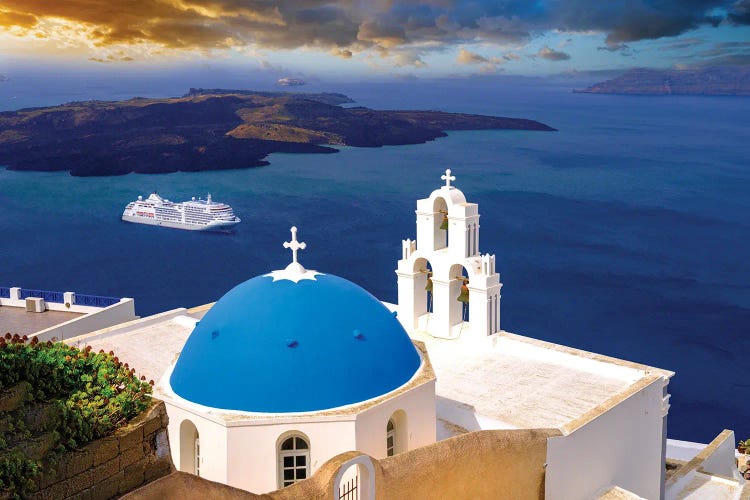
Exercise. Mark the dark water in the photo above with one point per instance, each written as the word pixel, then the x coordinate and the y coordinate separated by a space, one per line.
pixel 626 233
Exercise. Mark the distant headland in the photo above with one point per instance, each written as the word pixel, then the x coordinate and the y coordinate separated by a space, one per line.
pixel 724 80
pixel 212 129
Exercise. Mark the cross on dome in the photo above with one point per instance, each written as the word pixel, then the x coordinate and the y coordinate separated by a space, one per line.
pixel 448 178
pixel 294 271
pixel 295 245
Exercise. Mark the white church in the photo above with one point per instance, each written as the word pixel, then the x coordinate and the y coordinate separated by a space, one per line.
pixel 291 369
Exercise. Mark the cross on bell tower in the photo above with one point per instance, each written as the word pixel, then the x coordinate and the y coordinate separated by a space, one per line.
pixel 448 178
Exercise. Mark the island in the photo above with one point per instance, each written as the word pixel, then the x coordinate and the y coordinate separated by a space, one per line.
pixel 211 129
pixel 723 80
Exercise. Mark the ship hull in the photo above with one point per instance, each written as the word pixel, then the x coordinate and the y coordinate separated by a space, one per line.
pixel 217 226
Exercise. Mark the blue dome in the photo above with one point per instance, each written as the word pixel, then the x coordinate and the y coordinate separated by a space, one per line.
pixel 279 346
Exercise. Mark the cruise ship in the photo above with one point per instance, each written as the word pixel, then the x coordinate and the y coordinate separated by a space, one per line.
pixel 193 215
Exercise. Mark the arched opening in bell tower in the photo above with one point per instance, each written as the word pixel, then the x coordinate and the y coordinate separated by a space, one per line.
pixel 423 288
pixel 440 223
pixel 459 295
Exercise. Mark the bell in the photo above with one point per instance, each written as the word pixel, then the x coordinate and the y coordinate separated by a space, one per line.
pixel 428 286
pixel 444 224
pixel 464 295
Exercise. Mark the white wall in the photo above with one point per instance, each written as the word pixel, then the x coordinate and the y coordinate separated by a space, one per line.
pixel 252 452
pixel 213 439
pixel 419 406
pixel 722 460
pixel 621 447
pixel 115 314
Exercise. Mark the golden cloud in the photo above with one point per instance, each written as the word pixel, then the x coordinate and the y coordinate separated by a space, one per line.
pixel 342 27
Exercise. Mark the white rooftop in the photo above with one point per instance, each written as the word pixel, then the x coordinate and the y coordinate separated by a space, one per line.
pixel 150 345
pixel 506 381
pixel 711 487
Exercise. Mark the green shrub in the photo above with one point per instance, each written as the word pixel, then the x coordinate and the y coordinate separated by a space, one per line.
pixel 95 394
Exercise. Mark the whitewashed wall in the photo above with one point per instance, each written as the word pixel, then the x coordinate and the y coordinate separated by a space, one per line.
pixel 418 404
pixel 213 439
pixel 252 451
pixel 621 447
pixel 99 318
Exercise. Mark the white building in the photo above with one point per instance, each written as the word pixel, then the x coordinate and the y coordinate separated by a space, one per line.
pixel 431 275
pixel 289 369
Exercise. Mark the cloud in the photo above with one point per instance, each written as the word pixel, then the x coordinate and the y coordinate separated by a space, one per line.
pixel 552 54
pixel 740 13
pixel 684 43
pixel 398 29
pixel 17 19
pixel 487 65
pixel 342 53
pixel 621 48
pixel 615 48
pixel 466 57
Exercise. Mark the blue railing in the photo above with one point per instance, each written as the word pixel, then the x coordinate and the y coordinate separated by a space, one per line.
pixel 59 297
pixel 43 294
pixel 95 300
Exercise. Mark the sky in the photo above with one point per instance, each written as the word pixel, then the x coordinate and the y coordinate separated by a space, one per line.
pixel 375 38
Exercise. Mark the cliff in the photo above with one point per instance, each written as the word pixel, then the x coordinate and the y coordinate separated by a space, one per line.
pixel 725 80
pixel 212 129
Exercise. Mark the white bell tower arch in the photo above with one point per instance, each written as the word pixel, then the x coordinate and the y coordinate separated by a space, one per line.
pixel 446 255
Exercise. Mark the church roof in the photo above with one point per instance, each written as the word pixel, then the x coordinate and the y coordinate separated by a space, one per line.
pixel 279 343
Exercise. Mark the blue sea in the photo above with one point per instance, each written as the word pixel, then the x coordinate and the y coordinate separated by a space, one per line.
pixel 627 232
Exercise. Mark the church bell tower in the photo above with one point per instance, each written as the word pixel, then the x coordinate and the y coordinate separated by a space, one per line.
pixel 445 286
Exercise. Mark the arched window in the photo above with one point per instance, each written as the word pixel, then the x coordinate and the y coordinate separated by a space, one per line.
pixel 294 460
pixel 390 439
pixel 396 434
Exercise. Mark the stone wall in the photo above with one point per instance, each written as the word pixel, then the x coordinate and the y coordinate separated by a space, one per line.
pixel 135 455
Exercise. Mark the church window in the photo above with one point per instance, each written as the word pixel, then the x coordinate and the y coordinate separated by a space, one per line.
pixel 294 460
pixel 390 438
